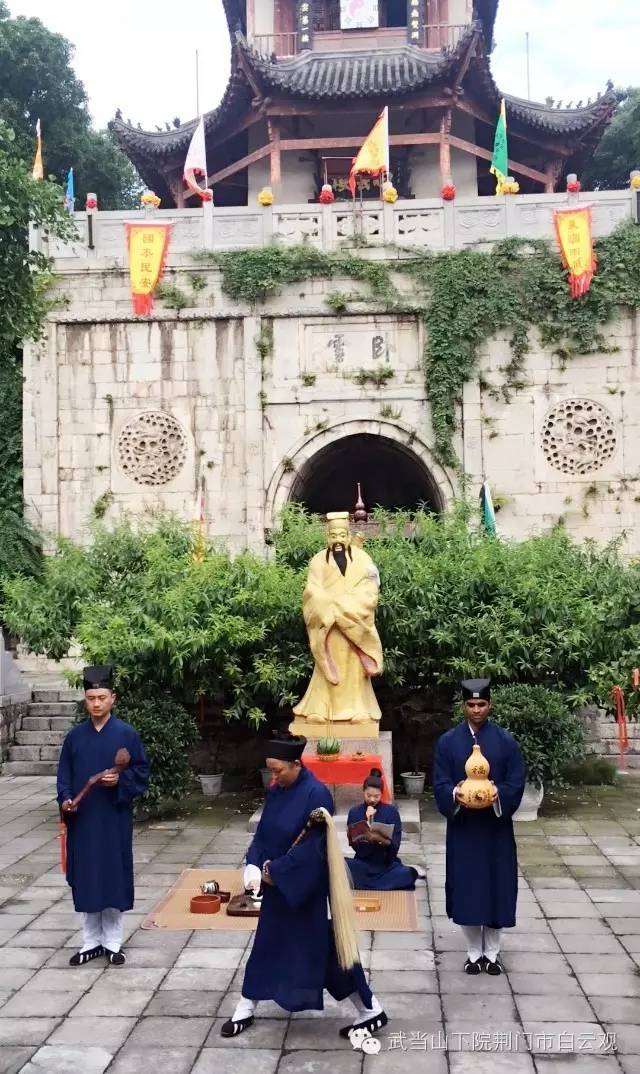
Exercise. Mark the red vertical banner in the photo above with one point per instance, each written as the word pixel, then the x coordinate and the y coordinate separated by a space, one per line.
pixel 147 244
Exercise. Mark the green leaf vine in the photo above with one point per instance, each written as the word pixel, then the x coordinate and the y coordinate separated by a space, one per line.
pixel 464 298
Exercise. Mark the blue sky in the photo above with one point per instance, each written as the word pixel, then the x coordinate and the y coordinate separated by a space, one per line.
pixel 141 57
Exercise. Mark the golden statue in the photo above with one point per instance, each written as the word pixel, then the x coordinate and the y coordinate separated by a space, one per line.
pixel 339 605
pixel 476 791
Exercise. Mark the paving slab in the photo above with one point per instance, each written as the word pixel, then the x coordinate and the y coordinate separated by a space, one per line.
pixel 12 1060
pixel 58 1059
pixel 170 1031
pixel 108 1033
pixel 264 1061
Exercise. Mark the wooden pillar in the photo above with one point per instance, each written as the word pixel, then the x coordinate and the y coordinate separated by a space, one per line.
pixel 445 148
pixel 552 172
pixel 275 158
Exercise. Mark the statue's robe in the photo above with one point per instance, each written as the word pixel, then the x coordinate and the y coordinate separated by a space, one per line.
pixel 482 866
pixel 100 834
pixel 378 868
pixel 293 958
pixel 339 615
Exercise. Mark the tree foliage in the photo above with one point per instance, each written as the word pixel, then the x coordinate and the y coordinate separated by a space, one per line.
pixel 24 278
pixel 543 612
pixel 618 153
pixel 37 81
pixel 168 732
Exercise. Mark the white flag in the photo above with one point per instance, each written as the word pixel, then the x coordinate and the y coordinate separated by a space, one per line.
pixel 196 162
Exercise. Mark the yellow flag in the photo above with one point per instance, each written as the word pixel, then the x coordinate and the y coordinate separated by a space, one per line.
pixel 573 231
pixel 373 158
pixel 38 170
pixel 147 251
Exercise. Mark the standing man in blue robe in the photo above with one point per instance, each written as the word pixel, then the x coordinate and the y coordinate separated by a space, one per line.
pixel 294 955
pixel 100 827
pixel 482 865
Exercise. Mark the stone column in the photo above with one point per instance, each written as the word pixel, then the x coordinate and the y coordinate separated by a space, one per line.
pixel 253 436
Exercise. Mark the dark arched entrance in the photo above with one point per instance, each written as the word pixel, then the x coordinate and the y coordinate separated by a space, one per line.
pixel 390 476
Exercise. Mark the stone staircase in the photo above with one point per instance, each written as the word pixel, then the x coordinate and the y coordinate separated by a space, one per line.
pixel 49 716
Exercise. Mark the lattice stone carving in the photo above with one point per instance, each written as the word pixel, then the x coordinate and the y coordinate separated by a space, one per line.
pixel 152 448
pixel 578 436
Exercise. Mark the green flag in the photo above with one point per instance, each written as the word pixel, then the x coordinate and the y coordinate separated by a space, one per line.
pixel 488 512
pixel 500 162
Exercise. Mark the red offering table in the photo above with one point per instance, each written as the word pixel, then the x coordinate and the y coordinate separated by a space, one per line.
pixel 346 770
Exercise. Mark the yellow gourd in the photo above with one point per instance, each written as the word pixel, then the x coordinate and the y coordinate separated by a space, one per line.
pixel 476 791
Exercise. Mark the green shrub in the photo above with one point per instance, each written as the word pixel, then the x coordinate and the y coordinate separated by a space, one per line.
pixel 548 733
pixel 593 771
pixel 542 612
pixel 167 731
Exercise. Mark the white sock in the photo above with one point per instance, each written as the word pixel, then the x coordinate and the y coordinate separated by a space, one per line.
pixel 491 938
pixel 244 1009
pixel 473 936
pixel 91 931
pixel 366 1012
pixel 112 929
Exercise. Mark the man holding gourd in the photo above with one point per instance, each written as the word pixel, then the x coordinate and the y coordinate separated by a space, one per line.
pixel 482 866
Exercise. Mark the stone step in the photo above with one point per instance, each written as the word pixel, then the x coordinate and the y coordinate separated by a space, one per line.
pixel 57 708
pixel 46 723
pixel 51 695
pixel 409 809
pixel 29 768
pixel 40 738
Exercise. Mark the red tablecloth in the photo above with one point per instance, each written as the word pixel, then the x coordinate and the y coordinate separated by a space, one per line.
pixel 346 770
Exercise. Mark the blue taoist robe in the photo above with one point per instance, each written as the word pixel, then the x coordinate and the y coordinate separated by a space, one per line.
pixel 293 958
pixel 378 868
pixel 482 865
pixel 100 834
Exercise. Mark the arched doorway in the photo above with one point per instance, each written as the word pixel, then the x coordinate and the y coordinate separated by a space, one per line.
pixel 390 474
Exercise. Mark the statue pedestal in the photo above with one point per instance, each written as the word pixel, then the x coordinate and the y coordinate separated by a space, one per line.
pixel 349 733
pixel 347 794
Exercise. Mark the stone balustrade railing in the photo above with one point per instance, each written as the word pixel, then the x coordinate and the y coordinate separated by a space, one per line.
pixel 426 223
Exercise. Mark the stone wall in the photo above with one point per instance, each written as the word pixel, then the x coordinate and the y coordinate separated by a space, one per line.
pixel 14 698
pixel 123 415
pixel 602 732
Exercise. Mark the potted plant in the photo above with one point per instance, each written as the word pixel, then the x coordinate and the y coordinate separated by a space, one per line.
pixel 328 748
pixel 550 737
pixel 205 761
pixel 412 711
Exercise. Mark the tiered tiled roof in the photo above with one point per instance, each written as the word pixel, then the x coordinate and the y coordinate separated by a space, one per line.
pixel 358 76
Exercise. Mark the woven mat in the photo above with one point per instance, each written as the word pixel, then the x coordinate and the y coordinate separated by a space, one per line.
pixel 398 911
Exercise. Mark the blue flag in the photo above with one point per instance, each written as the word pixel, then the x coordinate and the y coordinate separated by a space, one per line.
pixel 69 194
pixel 488 513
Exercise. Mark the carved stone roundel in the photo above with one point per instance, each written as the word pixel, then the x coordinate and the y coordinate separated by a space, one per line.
pixel 578 436
pixel 152 448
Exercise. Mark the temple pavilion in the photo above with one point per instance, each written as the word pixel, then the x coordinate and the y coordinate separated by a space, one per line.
pixel 309 77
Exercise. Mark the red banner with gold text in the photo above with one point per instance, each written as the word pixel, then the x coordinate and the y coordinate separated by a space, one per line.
pixel 573 231
pixel 147 244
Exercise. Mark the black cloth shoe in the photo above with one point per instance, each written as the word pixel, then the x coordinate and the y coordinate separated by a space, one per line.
pixel 232 1029
pixel 494 969
pixel 473 968
pixel 115 958
pixel 81 957
pixel 372 1024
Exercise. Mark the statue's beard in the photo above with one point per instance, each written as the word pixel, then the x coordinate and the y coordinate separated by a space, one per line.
pixel 339 553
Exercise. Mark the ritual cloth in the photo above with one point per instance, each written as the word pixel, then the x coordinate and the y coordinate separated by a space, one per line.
pixel 397 913
pixel 346 770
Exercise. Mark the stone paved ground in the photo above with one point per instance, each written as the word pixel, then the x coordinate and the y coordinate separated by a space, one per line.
pixel 572 989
